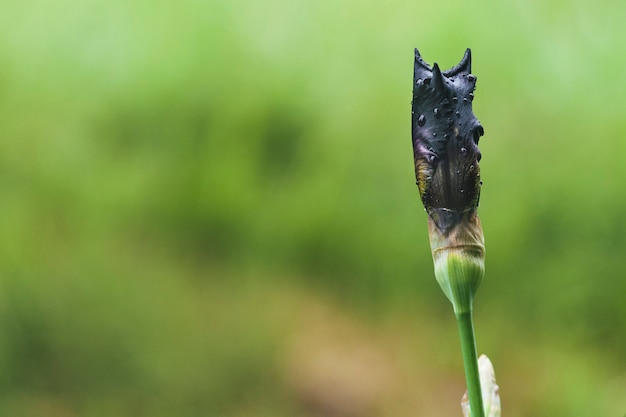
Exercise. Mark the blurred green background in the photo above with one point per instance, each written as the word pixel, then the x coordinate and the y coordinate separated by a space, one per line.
pixel 209 208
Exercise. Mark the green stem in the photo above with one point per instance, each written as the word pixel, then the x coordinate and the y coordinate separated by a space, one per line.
pixel 470 361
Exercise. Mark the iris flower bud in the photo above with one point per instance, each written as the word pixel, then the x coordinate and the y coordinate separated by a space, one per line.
pixel 445 136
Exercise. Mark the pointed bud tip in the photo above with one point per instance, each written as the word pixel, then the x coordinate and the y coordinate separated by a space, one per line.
pixel 464 66
pixel 419 62
pixel 438 82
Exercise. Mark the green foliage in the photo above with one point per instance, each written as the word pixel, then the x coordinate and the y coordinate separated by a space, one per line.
pixel 171 171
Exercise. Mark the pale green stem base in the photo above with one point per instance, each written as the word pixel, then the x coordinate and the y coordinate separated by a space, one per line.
pixel 470 361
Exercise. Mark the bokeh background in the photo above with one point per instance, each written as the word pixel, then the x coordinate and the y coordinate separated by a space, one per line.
pixel 209 208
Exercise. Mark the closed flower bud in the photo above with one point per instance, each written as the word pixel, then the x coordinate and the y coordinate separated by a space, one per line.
pixel 445 136
pixel 445 140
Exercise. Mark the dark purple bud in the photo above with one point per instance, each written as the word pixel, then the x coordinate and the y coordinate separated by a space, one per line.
pixel 449 184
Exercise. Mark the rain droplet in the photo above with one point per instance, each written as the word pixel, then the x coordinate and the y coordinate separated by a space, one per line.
pixel 436 111
pixel 463 151
pixel 462 191
pixel 434 133
pixel 421 120
pixel 430 158
pixel 419 81
pixel 471 77
pixel 466 101
pixel 471 167
pixel 480 183
pixel 458 114
pixel 471 96
pixel 445 136
pixel 454 99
